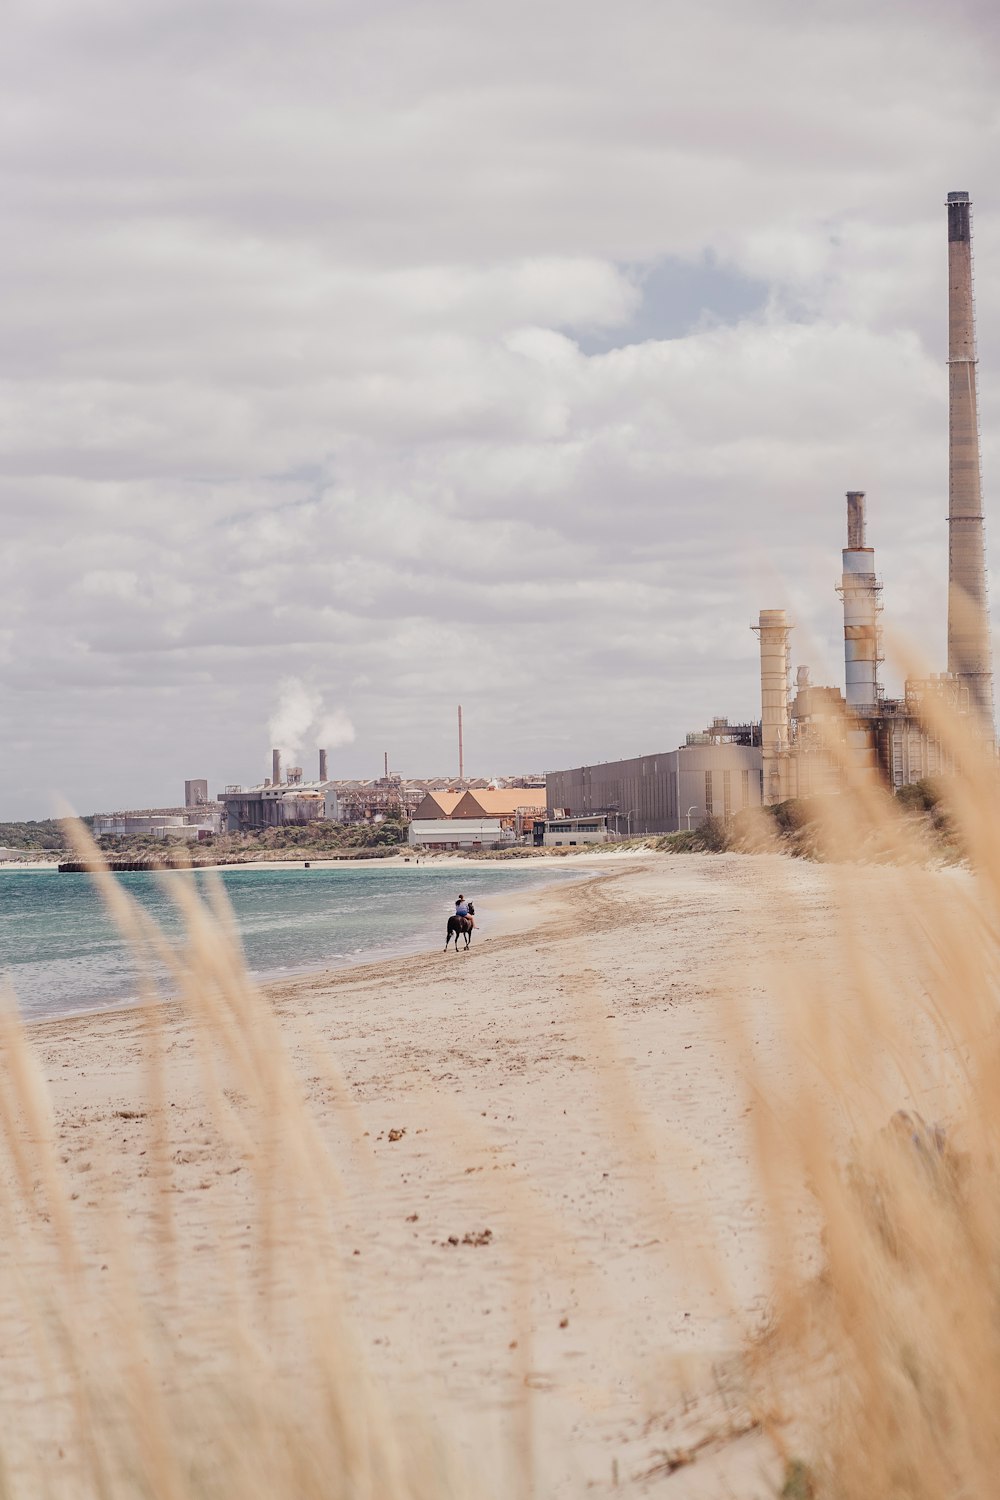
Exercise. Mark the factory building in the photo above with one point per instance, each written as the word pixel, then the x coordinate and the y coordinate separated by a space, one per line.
pixel 277 802
pixel 199 818
pixel 714 775
pixel 159 822
pixel 819 740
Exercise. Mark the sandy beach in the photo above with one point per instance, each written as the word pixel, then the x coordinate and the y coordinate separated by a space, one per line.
pixel 543 1151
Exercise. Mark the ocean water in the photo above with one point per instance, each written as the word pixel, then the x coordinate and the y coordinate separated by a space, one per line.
pixel 62 954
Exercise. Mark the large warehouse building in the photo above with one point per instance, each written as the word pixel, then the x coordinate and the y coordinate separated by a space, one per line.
pixel 716 774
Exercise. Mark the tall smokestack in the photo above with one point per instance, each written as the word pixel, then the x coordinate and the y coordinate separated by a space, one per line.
pixel 775 728
pixel 859 589
pixel 276 767
pixel 969 653
pixel 461 747
pixel 322 766
pixel 386 765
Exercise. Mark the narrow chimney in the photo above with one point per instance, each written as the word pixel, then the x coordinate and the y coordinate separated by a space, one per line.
pixel 461 748
pixel 386 772
pixel 322 766
pixel 275 767
pixel 969 651
pixel 774 630
pixel 859 589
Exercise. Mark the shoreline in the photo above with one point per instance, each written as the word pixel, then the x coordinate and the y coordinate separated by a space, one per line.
pixel 391 861
pixel 501 919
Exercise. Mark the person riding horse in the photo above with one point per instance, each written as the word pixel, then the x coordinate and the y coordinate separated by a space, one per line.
pixel 463 921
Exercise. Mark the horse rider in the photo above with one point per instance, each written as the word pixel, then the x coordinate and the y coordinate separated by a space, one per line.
pixel 465 909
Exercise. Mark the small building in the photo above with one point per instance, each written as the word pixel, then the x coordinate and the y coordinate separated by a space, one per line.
pixel 458 833
pixel 475 818
pixel 551 832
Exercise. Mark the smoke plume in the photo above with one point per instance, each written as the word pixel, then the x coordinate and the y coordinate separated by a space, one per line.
pixel 299 719
pixel 335 730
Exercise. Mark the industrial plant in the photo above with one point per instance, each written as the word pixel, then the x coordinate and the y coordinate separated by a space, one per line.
pixel 810 739
pixel 286 798
pixel 816 740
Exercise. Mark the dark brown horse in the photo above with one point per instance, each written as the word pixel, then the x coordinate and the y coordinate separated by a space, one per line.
pixel 458 926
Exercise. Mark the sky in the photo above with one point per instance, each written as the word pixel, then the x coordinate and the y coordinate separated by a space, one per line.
pixel 364 358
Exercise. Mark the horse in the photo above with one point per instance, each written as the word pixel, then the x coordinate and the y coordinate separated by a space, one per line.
pixel 457 925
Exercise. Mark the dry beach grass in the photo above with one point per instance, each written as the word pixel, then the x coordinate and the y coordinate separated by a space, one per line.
pixel 146 1376
pixel 608 1207
pixel 885 1350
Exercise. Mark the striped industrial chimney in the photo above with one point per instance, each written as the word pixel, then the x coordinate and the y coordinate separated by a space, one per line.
pixel 861 593
pixel 969 653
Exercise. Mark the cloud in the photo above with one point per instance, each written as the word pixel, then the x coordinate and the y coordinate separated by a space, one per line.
pixel 386 355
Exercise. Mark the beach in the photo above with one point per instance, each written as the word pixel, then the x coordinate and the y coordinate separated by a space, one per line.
pixel 546 1191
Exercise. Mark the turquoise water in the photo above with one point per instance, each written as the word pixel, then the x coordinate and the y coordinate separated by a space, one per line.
pixel 62 954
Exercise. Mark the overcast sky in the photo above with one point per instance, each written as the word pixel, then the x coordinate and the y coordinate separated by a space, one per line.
pixel 364 358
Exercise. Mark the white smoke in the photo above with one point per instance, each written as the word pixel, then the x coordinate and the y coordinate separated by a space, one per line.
pixel 335 730
pixel 299 719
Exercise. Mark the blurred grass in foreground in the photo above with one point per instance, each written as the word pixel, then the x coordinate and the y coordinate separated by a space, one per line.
pixel 145 1374
pixel 882 1365
pixel 878 1377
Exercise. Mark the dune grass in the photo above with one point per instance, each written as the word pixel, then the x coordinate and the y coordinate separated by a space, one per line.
pixel 881 1370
